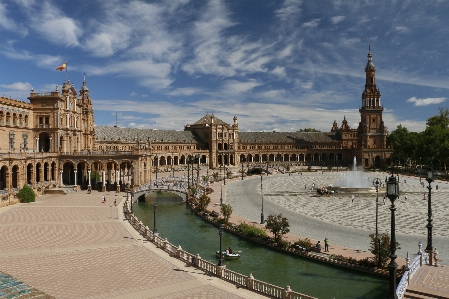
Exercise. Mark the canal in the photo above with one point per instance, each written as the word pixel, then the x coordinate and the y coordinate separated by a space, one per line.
pixel 176 223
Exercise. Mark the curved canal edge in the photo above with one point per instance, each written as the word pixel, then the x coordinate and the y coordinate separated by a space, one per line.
pixel 232 228
pixel 221 272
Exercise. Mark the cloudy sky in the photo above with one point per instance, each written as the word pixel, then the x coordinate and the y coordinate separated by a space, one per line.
pixel 276 65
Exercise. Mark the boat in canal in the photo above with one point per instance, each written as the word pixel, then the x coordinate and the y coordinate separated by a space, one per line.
pixel 227 255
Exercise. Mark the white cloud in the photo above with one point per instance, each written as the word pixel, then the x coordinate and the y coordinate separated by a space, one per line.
pixel 233 87
pixel 133 94
pixel 402 29
pixel 188 91
pixel 9 24
pixel 280 71
pixel 337 19
pixel 18 86
pixel 289 9
pixel 425 102
pixel 55 27
pixel 311 24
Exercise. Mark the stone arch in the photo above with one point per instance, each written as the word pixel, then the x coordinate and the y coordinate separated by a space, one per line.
pixel 182 160
pixel 29 174
pixel 4 177
pixel 68 173
pixel 37 174
pixel 15 176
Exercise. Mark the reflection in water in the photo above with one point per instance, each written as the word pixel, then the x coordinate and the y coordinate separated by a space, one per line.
pixel 177 223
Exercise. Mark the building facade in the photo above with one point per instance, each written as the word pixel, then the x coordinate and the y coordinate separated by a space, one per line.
pixel 52 142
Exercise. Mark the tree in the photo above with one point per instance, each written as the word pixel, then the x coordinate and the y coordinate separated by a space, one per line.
pixel 226 210
pixel 441 120
pixel 381 256
pixel 215 175
pixel 278 226
pixel 204 201
pixel 26 194
pixel 192 191
pixel 309 130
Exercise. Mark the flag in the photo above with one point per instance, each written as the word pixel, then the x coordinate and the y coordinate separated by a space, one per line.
pixel 62 66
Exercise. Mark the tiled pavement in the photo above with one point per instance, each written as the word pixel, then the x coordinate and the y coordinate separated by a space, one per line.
pixel 73 246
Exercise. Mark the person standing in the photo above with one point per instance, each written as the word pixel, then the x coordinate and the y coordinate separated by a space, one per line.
pixel 326 245
pixel 115 202
pixel 104 199
pixel 435 256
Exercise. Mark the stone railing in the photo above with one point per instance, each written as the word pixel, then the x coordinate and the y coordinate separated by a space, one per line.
pixel 408 274
pixel 220 271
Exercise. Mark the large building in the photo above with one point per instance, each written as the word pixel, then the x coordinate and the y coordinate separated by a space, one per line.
pixel 51 141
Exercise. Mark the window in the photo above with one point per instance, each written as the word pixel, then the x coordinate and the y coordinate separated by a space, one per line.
pixel 11 140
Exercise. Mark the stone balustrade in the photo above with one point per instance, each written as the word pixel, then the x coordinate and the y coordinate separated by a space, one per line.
pixel 220 271
pixel 408 274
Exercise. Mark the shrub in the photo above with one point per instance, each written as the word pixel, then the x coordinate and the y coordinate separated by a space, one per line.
pixel 26 194
pixel 252 231
pixel 306 243
pixel 278 226
pixel 226 210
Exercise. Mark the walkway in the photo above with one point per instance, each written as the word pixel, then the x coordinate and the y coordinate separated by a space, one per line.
pixel 73 246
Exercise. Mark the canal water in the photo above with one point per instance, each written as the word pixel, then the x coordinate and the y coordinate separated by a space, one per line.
pixel 177 223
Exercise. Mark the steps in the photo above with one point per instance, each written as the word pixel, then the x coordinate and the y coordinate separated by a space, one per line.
pixel 412 294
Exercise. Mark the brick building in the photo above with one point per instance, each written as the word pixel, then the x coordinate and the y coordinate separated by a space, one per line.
pixel 51 141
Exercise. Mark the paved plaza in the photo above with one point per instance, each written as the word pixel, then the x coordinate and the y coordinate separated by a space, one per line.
pixel 74 246
pixel 345 222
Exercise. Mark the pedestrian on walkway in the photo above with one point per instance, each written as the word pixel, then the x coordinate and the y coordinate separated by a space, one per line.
pixel 406 198
pixel 104 199
pixel 435 256
pixel 384 199
pixel 326 245
pixel 352 197
pixel 115 202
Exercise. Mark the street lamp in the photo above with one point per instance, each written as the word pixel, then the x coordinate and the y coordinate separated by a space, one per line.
pixel 242 170
pixel 392 194
pixel 157 165
pixel 197 158
pixel 154 223
pixel 225 174
pixel 221 194
pixel 377 184
pixel 188 172
pixel 220 260
pixel 429 248
pixel 262 218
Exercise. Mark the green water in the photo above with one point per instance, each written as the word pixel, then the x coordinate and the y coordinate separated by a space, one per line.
pixel 176 223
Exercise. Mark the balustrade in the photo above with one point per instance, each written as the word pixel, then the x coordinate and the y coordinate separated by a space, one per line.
pixel 413 267
pixel 235 277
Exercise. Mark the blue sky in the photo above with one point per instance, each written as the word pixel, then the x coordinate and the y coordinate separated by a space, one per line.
pixel 276 65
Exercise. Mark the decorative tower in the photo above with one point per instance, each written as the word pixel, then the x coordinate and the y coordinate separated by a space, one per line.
pixel 87 118
pixel 372 133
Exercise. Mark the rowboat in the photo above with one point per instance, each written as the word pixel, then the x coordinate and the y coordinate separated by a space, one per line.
pixel 228 256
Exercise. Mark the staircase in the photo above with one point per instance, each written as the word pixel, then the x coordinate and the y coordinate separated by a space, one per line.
pixel 429 282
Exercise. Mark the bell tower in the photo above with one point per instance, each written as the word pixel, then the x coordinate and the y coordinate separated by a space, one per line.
pixel 372 132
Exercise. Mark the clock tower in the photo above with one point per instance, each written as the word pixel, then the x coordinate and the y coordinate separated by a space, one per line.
pixel 372 132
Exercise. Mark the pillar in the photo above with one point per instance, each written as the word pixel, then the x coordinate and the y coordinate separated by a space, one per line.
pixel 88 173
pixel 60 174
pixel 75 176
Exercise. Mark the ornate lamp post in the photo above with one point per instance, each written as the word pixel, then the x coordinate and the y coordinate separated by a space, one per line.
pixel 376 184
pixel 429 248
pixel 197 158
pixel 225 174
pixel 188 172
pixel 157 165
pixel 154 218
pixel 392 194
pixel 242 170
pixel 220 260
pixel 262 217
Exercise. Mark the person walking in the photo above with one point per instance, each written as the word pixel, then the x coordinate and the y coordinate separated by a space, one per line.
pixel 435 256
pixel 104 199
pixel 115 202
pixel 352 197
pixel 326 245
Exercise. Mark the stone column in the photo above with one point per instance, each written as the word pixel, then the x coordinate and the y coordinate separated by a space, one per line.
pixel 75 176
pixel 60 174
pixel 37 144
pixel 88 173
pixel 103 177
pixel 51 145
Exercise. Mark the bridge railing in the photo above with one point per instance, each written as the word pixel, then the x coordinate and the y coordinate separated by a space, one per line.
pixel 408 274
pixel 220 271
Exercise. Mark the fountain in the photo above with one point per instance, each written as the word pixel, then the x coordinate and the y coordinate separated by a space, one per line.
pixel 353 182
